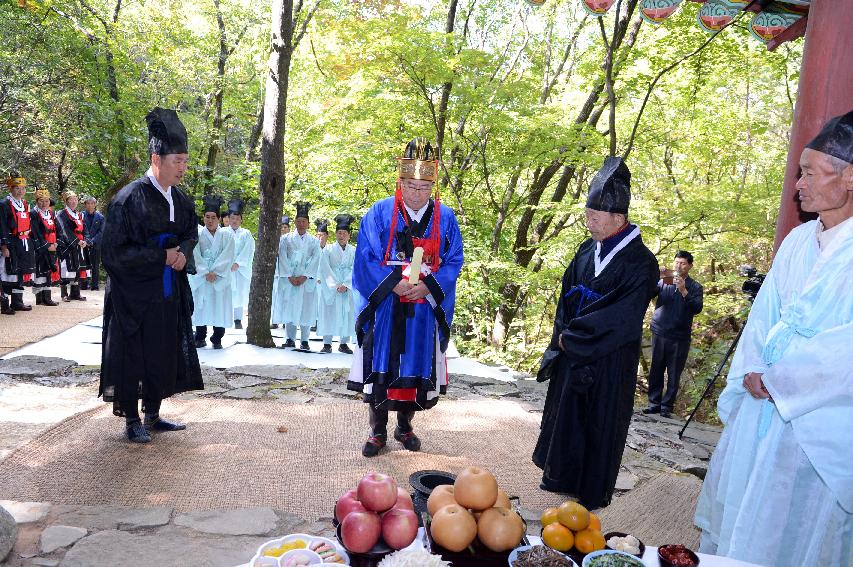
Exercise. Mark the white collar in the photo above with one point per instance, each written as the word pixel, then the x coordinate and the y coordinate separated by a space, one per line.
pixel 150 174
pixel 601 264
pixel 73 213
pixel 827 235
pixel 416 215
pixel 18 204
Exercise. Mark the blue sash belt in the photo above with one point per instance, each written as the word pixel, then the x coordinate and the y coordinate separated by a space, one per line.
pixel 586 295
pixel 163 241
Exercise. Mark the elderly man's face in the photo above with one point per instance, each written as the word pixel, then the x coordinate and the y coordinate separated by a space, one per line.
pixel 211 221
pixel 602 224
pixel 235 220
pixel 301 225
pixel 43 203
pixel 822 189
pixel 170 169
pixel 416 193
pixel 71 203
pixel 342 236
pixel 18 191
pixel 90 206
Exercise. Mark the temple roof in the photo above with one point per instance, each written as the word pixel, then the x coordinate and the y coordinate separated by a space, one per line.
pixel 773 22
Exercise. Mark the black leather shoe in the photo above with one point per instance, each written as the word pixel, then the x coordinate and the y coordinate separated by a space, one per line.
pixel 288 344
pixel 274 326
pixel 651 410
pixel 409 440
pixel 304 345
pixel 161 424
pixel 665 413
pixel 136 433
pixel 345 348
pixel 326 349
pixel 217 346
pixel 373 445
pixel 200 343
pixel 238 324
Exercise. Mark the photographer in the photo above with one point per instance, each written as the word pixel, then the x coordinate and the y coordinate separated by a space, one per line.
pixel 679 299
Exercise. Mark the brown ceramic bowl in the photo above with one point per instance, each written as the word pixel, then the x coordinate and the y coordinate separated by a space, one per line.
pixel 666 563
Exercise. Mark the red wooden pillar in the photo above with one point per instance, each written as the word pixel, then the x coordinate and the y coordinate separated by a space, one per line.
pixel 825 90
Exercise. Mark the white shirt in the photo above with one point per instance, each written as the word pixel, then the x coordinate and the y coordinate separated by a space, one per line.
pixel 167 193
pixel 826 235
pixel 416 215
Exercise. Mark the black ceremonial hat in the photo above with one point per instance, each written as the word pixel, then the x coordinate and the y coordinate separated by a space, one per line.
pixel 236 205
pixel 836 138
pixel 285 220
pixel 344 222
pixel 610 190
pixel 212 204
pixel 166 132
pixel 322 225
pixel 302 209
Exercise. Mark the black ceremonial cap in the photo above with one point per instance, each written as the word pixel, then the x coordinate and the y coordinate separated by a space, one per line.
pixel 610 190
pixel 302 209
pixel 166 132
pixel 236 205
pixel 344 222
pixel 285 220
pixel 212 204
pixel 836 138
pixel 322 225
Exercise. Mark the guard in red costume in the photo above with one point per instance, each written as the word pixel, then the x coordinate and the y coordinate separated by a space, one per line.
pixel 17 255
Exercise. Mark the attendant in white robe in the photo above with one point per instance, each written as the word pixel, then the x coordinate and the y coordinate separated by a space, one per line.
pixel 244 253
pixel 336 315
pixel 211 284
pixel 300 258
pixel 277 308
pixel 779 489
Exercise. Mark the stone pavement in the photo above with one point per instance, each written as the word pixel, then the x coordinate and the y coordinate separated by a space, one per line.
pixel 37 392
pixel 31 326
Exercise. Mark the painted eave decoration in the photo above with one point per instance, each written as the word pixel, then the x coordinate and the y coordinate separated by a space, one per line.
pixel 769 24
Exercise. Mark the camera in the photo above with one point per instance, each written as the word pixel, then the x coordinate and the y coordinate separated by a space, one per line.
pixel 753 280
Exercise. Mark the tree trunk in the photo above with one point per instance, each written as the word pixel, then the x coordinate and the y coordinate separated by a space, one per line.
pixel 445 88
pixel 215 136
pixel 271 186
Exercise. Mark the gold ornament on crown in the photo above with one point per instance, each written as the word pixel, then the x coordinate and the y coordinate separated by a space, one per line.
pixel 418 166
pixel 67 195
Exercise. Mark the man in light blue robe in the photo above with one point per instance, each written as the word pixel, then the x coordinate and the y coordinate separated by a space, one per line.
pixel 336 313
pixel 244 253
pixel 277 307
pixel 211 284
pixel 299 255
pixel 403 328
pixel 779 489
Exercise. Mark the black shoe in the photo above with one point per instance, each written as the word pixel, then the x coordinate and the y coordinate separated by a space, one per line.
pixel 274 326
pixel 75 294
pixel 238 324
pixel 651 410
pixel 409 440
pixel 200 343
pixel 160 424
pixel 136 433
pixel 217 346
pixel 18 304
pixel 304 345
pixel 373 445
pixel 289 344
pixel 47 300
pixel 326 349
pixel 5 308
pixel 665 413
pixel 39 299
pixel 345 348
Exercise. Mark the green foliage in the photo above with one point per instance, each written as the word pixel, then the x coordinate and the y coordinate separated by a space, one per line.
pixel 707 158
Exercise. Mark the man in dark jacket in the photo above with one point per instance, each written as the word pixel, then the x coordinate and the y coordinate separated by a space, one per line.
pixel 148 346
pixel 679 299
pixel 94 222
pixel 592 358
pixel 17 254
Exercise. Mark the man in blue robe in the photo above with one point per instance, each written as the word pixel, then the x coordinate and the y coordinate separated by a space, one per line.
pixel 148 348
pixel 403 322
pixel 779 489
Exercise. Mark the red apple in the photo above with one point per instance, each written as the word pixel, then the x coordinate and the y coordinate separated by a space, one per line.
pixel 399 527
pixel 404 500
pixel 377 491
pixel 346 504
pixel 360 531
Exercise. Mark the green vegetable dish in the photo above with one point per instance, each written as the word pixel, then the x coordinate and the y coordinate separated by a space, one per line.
pixel 615 561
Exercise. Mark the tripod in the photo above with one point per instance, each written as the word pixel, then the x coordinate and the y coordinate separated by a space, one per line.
pixel 710 387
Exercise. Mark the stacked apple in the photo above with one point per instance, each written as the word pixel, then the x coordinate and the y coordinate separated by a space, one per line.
pixel 472 507
pixel 376 508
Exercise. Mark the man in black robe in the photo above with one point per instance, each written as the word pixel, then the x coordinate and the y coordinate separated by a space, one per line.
pixel 149 235
pixel 592 358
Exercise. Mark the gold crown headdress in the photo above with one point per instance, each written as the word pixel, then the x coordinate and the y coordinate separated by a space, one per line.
pixel 418 161
pixel 15 180
pixel 67 195
pixel 42 194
